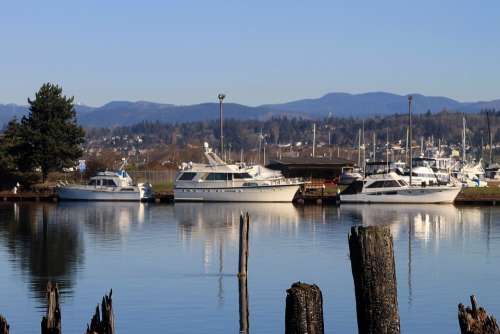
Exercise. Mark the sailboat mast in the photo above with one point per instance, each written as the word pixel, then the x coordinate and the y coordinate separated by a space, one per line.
pixel 314 139
pixel 359 147
pixel 387 150
pixel 463 141
pixel 409 135
pixel 406 148
pixel 364 147
pixel 489 135
pixel 374 147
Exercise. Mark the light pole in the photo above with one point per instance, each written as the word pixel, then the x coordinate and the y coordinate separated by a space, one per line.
pixel 221 98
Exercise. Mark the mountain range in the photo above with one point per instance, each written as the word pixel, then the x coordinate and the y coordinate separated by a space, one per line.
pixel 118 113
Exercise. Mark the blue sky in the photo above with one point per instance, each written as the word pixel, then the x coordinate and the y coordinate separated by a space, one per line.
pixel 256 51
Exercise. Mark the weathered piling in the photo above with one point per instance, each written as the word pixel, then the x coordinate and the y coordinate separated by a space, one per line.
pixel 304 309
pixel 104 323
pixel 243 254
pixel 373 270
pixel 4 326
pixel 474 320
pixel 243 303
pixel 51 323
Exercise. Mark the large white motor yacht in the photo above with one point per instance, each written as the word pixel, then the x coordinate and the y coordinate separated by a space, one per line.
pixel 218 181
pixel 106 186
pixel 392 188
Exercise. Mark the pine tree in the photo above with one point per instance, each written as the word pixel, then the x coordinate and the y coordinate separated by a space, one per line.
pixel 49 137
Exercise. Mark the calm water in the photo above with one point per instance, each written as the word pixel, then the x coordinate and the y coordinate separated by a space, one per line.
pixel 172 268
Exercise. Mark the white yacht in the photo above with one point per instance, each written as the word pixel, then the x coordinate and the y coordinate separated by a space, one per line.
pixel 392 188
pixel 106 186
pixel 218 181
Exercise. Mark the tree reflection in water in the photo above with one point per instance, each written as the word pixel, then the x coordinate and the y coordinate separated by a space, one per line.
pixel 43 247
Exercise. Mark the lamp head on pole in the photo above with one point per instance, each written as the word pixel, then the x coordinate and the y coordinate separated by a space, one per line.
pixel 221 97
pixel 410 98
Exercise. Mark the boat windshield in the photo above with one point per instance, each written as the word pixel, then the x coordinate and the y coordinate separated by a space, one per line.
pixel 187 176
pixel 384 184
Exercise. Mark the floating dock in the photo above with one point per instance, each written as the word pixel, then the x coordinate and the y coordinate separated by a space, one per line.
pixel 324 198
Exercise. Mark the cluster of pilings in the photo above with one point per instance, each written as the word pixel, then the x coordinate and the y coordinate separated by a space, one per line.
pixel 374 275
pixel 101 323
pixel 373 271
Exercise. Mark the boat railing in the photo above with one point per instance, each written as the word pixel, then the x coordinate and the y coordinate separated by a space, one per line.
pixel 287 181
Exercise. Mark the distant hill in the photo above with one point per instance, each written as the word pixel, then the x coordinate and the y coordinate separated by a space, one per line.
pixel 367 104
pixel 118 113
pixel 128 113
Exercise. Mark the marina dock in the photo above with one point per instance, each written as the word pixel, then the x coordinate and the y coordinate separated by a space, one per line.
pixel 479 196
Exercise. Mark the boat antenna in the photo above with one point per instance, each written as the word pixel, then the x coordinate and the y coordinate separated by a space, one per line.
pixel 221 98
pixel 410 135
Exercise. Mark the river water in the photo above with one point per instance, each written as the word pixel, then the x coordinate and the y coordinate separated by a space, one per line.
pixel 172 267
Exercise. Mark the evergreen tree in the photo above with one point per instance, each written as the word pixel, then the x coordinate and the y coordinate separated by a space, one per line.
pixel 7 162
pixel 49 137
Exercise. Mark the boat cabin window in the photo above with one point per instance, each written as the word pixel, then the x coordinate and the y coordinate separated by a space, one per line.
pixel 219 177
pixel 108 183
pixel 187 176
pixel 242 176
pixel 93 183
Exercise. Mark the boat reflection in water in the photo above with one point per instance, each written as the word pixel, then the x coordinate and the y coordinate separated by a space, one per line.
pixel 429 223
pixel 104 220
pixel 430 229
pixel 209 220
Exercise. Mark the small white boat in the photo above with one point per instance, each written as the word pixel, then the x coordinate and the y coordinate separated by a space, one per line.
pixel 473 175
pixel 392 188
pixel 348 175
pixel 106 186
pixel 218 181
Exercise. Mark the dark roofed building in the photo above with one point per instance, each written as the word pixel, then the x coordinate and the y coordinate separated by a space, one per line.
pixel 316 168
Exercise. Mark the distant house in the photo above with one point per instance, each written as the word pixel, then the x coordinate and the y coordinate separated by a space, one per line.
pixel 308 167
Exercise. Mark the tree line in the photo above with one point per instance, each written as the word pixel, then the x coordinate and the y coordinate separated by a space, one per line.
pixel 445 126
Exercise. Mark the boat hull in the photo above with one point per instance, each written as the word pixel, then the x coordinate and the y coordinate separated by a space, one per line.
pixel 282 193
pixel 79 194
pixel 428 195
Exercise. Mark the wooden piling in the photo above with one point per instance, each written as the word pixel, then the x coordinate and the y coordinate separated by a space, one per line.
pixel 373 270
pixel 243 253
pixel 243 305
pixel 474 320
pixel 51 323
pixel 104 323
pixel 304 309
pixel 4 326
